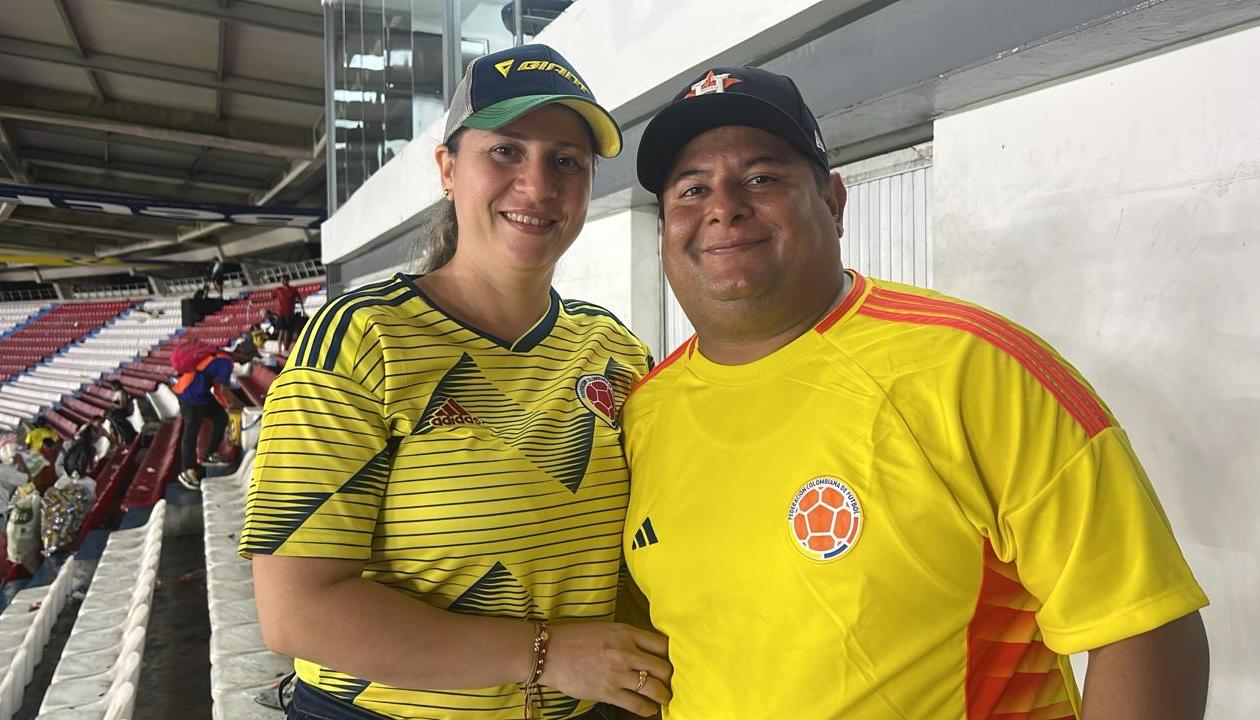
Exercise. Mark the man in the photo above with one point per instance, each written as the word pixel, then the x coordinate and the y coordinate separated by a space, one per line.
pixel 286 317
pixel 858 499
pixel 203 397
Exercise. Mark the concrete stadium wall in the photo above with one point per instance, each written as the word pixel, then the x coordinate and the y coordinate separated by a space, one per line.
pixel 1118 215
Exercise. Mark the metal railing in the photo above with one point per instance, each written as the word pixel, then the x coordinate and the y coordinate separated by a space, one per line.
pixel 295 271
pixel 110 292
pixel 233 281
pixel 190 285
pixel 32 294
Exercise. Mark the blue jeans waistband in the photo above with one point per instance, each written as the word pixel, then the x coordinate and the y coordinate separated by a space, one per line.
pixel 311 703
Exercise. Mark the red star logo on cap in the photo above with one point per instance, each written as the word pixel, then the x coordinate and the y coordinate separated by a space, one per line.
pixel 712 84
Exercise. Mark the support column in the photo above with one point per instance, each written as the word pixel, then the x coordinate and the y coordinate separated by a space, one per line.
pixel 647 301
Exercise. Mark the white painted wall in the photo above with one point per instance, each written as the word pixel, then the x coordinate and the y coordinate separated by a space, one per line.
pixel 1118 215
pixel 887 217
pixel 597 267
pixel 615 262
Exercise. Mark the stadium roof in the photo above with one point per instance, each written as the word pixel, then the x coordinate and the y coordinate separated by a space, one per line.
pixel 202 101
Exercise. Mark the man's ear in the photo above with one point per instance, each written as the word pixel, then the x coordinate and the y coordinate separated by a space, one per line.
pixel 836 196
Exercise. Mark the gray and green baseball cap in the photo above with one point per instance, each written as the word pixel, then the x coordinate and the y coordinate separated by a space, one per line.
pixel 501 87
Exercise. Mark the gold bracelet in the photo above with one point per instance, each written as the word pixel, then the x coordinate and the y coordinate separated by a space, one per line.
pixel 531 687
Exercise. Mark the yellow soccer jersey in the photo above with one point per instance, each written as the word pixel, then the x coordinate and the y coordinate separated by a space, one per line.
pixel 478 475
pixel 915 510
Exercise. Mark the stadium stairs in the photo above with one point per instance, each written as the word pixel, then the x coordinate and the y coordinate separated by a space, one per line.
pixel 98 669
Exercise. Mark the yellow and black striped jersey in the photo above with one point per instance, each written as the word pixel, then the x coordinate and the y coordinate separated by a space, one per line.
pixel 476 474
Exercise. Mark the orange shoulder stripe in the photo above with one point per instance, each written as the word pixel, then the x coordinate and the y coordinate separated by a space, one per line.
pixel 833 317
pixel 1048 370
pixel 686 347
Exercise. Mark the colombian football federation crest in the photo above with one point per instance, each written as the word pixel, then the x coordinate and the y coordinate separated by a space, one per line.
pixel 713 83
pixel 825 519
pixel 596 395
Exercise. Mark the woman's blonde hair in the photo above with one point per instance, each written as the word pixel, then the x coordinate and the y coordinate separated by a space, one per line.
pixel 435 246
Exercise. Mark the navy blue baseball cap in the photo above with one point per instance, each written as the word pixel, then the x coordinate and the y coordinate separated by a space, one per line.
pixel 502 86
pixel 728 96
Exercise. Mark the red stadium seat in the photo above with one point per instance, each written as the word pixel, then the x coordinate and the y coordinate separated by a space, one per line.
pixel 156 468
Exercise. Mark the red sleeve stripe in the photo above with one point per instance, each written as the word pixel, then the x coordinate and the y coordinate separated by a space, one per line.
pixel 686 347
pixel 1070 392
pixel 855 293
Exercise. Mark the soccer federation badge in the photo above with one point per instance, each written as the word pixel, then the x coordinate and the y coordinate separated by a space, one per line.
pixel 825 519
pixel 596 395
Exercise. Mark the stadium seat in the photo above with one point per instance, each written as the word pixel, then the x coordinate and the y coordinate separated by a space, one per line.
pixel 26 634
pixel 105 645
pixel 156 468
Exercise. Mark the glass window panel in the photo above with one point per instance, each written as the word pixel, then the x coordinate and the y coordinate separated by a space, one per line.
pixel 426 87
pixel 399 78
pixel 370 64
pixel 386 72
pixel 342 123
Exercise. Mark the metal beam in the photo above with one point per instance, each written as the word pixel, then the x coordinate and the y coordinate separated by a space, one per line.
pixel 73 36
pixel 74 228
pixel 220 61
pixel 265 240
pixel 150 132
pixel 250 13
pixel 296 170
pixel 11 164
pixel 81 163
pixel 44 274
pixel 299 170
pixel 64 179
pixel 161 71
pixel 268 240
pixel 41 248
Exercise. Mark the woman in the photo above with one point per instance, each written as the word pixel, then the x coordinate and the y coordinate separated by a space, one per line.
pixel 439 493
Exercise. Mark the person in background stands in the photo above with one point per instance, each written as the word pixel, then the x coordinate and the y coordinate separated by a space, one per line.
pixel 120 411
pixel 204 396
pixel 40 432
pixel 257 335
pixel 287 297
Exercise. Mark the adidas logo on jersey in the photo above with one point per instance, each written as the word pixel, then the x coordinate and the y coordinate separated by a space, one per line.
pixel 644 536
pixel 452 413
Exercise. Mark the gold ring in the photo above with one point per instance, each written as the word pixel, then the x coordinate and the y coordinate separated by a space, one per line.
pixel 643 676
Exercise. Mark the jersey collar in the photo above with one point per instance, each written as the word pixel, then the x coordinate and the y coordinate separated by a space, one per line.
pixel 524 343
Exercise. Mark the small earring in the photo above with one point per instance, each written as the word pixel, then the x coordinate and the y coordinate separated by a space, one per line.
pixel 446 193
